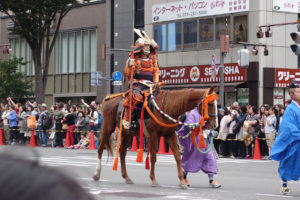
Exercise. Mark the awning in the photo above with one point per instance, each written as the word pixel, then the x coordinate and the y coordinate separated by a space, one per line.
pixel 243 85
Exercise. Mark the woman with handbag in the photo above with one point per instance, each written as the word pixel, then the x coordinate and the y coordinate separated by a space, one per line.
pixel 252 131
pixel 93 120
pixel 22 123
pixel 239 119
pixel 81 124
pixel 70 119
pixel 270 128
pixel 58 119
pixel 224 131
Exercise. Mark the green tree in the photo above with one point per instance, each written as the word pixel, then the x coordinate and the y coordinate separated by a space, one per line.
pixel 11 80
pixel 38 21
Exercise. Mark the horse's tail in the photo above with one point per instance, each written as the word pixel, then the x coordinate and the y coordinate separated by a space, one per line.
pixel 108 146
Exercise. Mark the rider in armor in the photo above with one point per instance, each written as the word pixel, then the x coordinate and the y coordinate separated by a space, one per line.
pixel 143 65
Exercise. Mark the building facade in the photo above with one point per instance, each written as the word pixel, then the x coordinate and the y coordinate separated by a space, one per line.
pixel 76 54
pixel 188 33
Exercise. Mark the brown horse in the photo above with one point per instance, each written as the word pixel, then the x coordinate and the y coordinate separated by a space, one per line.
pixel 172 102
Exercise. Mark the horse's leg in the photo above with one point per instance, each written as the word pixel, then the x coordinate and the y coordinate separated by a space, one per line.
pixel 123 150
pixel 153 148
pixel 103 141
pixel 172 140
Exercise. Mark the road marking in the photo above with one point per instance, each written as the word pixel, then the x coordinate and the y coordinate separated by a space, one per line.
pixel 275 195
pixel 87 161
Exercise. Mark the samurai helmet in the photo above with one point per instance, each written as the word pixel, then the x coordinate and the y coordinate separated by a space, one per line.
pixel 144 39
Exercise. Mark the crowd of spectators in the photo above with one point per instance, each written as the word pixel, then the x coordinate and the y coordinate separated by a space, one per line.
pixel 49 125
pixel 239 125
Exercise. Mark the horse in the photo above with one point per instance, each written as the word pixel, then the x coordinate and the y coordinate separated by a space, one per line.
pixel 172 102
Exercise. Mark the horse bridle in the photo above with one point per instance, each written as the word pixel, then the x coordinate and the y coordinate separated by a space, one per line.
pixel 207 98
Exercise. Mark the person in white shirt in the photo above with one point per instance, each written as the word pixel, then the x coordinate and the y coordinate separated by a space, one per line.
pixel 5 116
pixel 270 127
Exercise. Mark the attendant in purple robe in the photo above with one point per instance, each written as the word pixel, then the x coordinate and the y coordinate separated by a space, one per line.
pixel 192 160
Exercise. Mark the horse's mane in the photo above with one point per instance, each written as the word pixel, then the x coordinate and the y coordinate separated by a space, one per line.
pixel 175 102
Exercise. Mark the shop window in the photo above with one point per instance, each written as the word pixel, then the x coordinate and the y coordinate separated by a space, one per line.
pixel 206 32
pixel 278 96
pixel 243 96
pixel 222 27
pixel 190 34
pixel 240 28
pixel 174 36
pixel 160 36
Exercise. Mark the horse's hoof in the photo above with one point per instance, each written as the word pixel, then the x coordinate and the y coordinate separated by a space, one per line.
pixel 184 186
pixel 96 178
pixel 129 182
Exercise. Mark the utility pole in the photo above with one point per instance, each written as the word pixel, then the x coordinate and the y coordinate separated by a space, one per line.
pixel 221 90
pixel 224 48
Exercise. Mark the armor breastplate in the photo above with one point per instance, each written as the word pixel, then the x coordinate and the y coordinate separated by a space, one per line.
pixel 146 63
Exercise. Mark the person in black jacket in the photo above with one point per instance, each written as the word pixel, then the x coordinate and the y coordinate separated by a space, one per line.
pixel 240 118
pixel 70 119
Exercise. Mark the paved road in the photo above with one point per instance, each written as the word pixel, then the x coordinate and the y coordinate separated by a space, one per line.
pixel 240 178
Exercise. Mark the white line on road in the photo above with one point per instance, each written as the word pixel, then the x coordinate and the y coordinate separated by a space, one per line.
pixel 274 195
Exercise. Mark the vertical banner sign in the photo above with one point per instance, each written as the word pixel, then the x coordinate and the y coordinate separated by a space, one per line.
pixel 213 66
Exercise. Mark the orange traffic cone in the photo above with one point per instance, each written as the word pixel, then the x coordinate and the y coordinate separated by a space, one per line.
pixel 170 151
pixel 32 139
pixel 134 144
pixel 92 140
pixel 257 155
pixel 162 149
pixel 1 137
pixel 68 140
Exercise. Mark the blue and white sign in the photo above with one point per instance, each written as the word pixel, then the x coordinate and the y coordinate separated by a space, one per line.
pixel 117 76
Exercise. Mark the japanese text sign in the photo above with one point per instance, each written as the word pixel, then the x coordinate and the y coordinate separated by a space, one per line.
pixel 196 8
pixel 201 74
pixel 286 6
pixel 284 77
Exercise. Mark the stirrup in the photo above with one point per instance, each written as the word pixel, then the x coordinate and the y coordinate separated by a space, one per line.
pixel 214 184
pixel 285 191
pixel 126 124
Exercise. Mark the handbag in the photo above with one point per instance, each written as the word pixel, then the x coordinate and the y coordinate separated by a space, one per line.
pixel 251 130
pixel 236 128
pixel 91 124
pixel 65 126
pixel 31 122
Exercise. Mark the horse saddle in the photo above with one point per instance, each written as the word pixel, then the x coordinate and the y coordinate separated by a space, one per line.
pixel 136 114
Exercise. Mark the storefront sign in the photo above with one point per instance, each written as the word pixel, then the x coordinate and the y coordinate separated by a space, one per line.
pixel 196 8
pixel 201 74
pixel 286 6
pixel 283 77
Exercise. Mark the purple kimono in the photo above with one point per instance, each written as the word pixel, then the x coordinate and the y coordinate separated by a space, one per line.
pixel 192 160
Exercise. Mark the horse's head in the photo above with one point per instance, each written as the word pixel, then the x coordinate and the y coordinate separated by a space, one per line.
pixel 208 108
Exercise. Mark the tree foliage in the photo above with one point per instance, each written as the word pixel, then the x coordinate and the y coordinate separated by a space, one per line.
pixel 38 22
pixel 11 80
